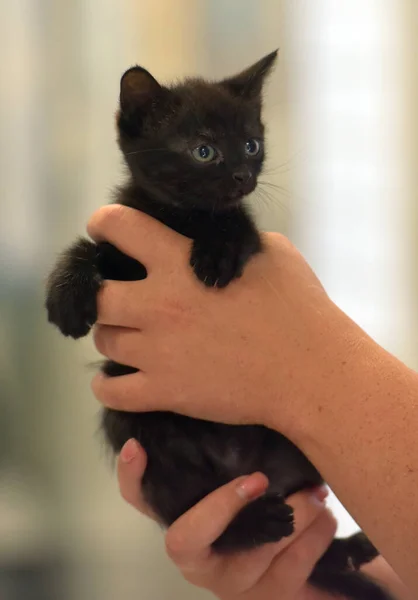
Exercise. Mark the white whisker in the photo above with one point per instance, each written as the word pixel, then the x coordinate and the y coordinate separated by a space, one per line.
pixel 147 150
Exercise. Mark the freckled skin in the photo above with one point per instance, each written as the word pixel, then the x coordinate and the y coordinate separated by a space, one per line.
pixel 164 132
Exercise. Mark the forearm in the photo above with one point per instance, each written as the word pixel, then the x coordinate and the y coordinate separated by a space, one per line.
pixel 362 436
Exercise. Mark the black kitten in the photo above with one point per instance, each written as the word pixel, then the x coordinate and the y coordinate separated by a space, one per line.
pixel 194 152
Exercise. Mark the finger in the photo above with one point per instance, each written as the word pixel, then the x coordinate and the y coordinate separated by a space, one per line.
pixel 127 392
pixel 291 569
pixel 247 568
pixel 189 539
pixel 138 235
pixel 132 463
pixel 120 344
pixel 307 506
pixel 135 392
pixel 118 303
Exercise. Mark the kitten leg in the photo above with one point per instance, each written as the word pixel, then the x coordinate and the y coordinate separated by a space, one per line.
pixel 77 277
pixel 223 248
pixel 217 262
pixel 348 553
pixel 349 584
pixel 72 289
pixel 337 570
pixel 267 519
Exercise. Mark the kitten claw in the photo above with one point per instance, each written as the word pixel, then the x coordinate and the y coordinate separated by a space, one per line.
pixel 265 520
pixel 216 264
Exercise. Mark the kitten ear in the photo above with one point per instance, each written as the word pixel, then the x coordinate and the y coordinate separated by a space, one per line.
pixel 249 83
pixel 137 89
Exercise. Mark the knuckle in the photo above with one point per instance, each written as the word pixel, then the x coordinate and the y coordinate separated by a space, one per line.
pixel 110 342
pixel 103 217
pixel 331 525
pixel 131 495
pixel 97 218
pixel 310 548
pixel 285 242
pixel 126 496
pixel 193 575
pixel 174 544
pixel 100 389
pixel 282 243
pixel 99 339
pixel 107 300
pixel 192 578
pixel 300 554
pixel 274 237
pixel 97 386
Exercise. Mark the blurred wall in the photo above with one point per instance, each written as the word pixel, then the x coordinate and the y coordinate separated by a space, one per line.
pixel 62 522
pixel 352 92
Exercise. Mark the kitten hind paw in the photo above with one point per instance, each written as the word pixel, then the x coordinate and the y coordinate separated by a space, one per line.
pixel 266 520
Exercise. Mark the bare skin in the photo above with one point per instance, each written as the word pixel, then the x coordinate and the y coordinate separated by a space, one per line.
pixel 276 571
pixel 324 383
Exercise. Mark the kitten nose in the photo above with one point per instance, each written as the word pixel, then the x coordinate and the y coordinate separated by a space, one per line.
pixel 242 175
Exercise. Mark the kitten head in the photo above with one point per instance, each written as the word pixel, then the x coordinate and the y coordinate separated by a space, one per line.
pixel 196 144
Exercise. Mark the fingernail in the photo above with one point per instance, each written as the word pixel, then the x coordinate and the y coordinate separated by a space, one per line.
pixel 129 451
pixel 252 486
pixel 320 493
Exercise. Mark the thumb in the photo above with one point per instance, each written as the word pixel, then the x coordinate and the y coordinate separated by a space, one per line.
pixel 138 235
pixel 132 463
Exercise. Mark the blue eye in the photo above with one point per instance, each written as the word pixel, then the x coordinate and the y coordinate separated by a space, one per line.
pixel 252 147
pixel 204 153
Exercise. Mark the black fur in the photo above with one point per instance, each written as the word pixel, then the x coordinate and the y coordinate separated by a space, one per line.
pixel 159 130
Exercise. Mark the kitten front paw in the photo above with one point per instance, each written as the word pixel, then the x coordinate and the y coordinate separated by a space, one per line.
pixel 217 262
pixel 72 290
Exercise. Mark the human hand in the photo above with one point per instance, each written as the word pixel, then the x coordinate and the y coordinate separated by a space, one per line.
pixel 271 348
pixel 208 353
pixel 273 571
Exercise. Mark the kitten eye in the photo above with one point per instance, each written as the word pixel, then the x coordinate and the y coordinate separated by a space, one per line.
pixel 252 147
pixel 204 153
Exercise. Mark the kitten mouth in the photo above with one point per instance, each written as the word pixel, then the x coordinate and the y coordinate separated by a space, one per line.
pixel 239 192
pixel 235 196
pixel 233 200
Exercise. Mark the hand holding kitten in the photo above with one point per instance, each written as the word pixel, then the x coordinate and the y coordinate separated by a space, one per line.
pixel 279 568
pixel 208 353
pixel 261 574
pixel 271 348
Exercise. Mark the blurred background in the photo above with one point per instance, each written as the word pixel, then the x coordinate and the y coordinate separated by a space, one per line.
pixel 341 114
